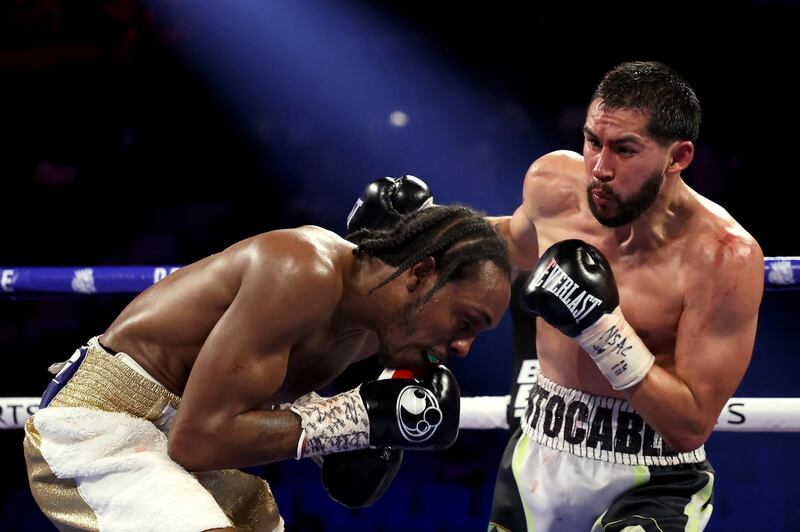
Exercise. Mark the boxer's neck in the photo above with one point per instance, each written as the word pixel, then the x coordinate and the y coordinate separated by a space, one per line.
pixel 659 224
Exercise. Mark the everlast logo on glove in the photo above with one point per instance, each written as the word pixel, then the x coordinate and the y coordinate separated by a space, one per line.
pixel 572 288
pixel 557 282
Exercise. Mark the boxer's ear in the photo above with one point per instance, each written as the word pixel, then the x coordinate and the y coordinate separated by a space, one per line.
pixel 681 155
pixel 419 271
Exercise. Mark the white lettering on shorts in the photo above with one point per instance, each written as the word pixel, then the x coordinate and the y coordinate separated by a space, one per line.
pixel 578 423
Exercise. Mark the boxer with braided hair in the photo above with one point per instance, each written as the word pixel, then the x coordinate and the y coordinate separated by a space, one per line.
pixel 464 241
pixel 214 368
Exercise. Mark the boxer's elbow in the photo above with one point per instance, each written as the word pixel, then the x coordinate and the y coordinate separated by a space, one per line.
pixel 180 450
pixel 688 436
pixel 189 449
pixel 684 444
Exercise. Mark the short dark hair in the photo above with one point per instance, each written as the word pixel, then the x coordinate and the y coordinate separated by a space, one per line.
pixel 656 89
pixel 460 239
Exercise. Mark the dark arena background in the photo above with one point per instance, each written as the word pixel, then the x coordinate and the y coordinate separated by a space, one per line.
pixel 159 132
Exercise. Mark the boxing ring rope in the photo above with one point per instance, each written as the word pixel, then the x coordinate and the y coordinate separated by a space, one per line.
pixel 83 279
pixel 740 414
pixel 780 273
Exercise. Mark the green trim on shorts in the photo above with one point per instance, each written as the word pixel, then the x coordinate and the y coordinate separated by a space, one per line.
pixel 697 511
pixel 598 523
pixel 520 453
pixel 643 518
pixel 641 475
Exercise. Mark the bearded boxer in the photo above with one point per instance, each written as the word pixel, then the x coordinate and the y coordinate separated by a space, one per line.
pixel 647 295
pixel 214 368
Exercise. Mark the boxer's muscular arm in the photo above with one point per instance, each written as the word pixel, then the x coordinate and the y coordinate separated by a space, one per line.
pixel 548 191
pixel 713 348
pixel 519 229
pixel 244 360
pixel 519 233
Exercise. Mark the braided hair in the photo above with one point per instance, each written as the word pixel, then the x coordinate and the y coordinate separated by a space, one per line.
pixel 459 239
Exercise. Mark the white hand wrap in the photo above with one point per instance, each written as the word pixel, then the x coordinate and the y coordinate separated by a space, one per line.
pixel 331 424
pixel 617 350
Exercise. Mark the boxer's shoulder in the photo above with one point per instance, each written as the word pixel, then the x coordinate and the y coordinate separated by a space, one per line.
pixel 305 263
pixel 719 257
pixel 559 166
pixel 715 239
pixel 553 184
pixel 307 247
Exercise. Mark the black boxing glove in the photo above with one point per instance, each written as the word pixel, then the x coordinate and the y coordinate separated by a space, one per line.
pixel 419 415
pixel 394 411
pixel 573 289
pixel 356 479
pixel 386 200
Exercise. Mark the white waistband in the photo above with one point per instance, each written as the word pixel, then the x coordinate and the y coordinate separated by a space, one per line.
pixel 126 359
pixel 596 427
pixel 131 363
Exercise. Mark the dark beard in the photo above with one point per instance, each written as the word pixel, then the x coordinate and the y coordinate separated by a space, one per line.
pixel 631 209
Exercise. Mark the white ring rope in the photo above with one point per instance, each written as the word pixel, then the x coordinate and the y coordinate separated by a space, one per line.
pixel 741 414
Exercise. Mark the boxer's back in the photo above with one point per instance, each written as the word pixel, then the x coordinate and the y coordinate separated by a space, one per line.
pixel 165 327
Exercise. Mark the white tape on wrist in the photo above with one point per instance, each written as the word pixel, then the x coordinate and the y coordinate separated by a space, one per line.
pixel 331 424
pixel 617 350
